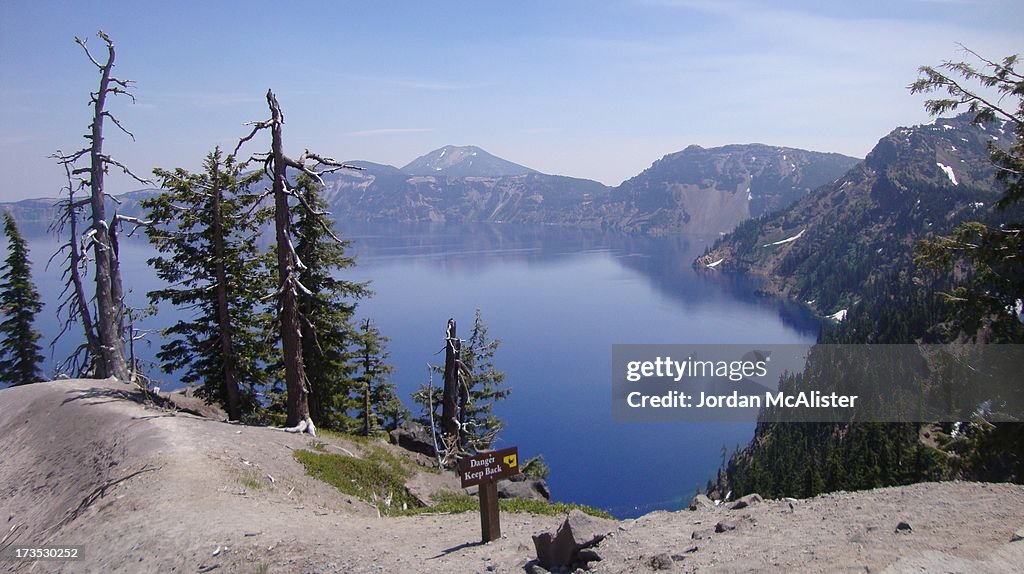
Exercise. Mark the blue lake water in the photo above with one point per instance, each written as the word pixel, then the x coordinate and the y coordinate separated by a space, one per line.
pixel 558 300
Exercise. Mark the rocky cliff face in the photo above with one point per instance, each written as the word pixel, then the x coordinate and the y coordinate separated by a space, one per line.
pixel 917 181
pixel 706 191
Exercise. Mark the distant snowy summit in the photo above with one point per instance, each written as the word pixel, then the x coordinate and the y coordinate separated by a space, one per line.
pixel 464 161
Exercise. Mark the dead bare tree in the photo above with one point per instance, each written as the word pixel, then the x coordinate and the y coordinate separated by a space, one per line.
pixel 74 304
pixel 450 418
pixel 105 339
pixel 275 166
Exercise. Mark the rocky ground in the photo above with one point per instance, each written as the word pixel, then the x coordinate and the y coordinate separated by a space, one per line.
pixel 145 489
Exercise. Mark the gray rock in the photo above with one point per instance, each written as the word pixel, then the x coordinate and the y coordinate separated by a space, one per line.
pixel 725 526
pixel 531 488
pixel 662 562
pixel 415 437
pixel 534 567
pixel 904 527
pixel 589 555
pixel 748 500
pixel 579 532
pixel 701 502
pixel 1018 535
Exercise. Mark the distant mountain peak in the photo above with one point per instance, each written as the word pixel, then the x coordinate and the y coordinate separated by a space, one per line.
pixel 464 161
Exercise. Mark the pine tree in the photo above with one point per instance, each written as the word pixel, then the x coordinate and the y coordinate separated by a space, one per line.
pixel 379 401
pixel 201 228
pixel 482 386
pixel 19 303
pixel 326 305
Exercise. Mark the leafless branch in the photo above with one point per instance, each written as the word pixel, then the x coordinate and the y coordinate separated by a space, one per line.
pixel 319 220
pixel 109 160
pixel 257 126
pixel 88 54
pixel 118 124
pixel 134 221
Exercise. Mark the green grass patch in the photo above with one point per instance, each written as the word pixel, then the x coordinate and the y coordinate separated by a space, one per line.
pixel 356 438
pixel 378 479
pixel 252 480
pixel 451 502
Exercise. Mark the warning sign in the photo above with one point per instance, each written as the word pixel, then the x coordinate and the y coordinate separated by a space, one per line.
pixel 489 466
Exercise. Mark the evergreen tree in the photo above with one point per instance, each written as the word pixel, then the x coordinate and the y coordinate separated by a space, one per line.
pixel 326 305
pixel 482 386
pixel 206 240
pixel 378 400
pixel 19 303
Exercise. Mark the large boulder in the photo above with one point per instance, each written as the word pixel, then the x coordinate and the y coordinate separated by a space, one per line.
pixel 701 502
pixel 414 437
pixel 185 400
pixel 748 500
pixel 569 544
pixel 522 486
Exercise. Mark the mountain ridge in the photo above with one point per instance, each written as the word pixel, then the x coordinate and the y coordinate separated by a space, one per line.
pixel 694 191
pixel 831 244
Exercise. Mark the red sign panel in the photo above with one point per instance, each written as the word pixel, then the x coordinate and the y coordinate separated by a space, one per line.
pixel 489 466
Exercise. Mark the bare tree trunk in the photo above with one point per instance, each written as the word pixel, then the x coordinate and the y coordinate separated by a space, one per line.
pixel 108 306
pixel 227 346
pixel 450 397
pixel 275 164
pixel 291 342
pixel 76 305
pixel 367 381
pixel 463 410
pixel 116 287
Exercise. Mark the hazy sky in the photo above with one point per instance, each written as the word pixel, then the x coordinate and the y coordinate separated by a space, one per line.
pixel 586 88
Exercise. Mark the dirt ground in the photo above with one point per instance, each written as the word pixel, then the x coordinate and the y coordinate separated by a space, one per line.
pixel 144 489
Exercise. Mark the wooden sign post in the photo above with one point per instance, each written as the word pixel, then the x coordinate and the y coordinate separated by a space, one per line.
pixel 486 469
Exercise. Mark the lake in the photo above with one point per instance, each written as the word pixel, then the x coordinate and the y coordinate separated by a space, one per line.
pixel 558 299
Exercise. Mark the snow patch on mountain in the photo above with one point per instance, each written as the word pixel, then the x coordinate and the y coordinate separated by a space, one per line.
pixel 786 240
pixel 949 172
